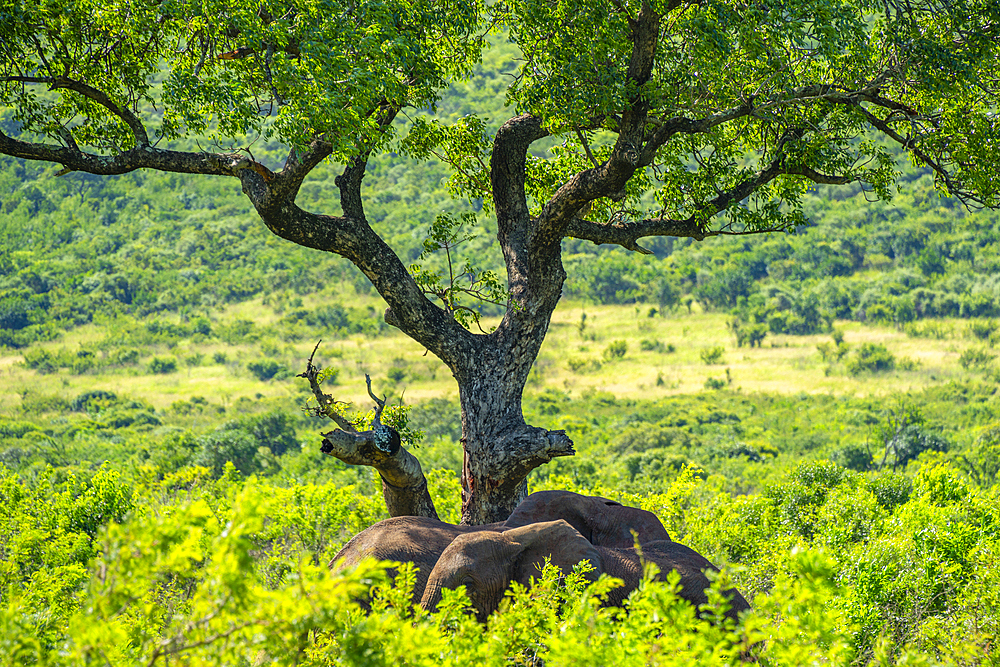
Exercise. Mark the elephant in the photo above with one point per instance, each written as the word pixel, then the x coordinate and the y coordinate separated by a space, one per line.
pixel 421 540
pixel 602 522
pixel 487 562
pixel 414 539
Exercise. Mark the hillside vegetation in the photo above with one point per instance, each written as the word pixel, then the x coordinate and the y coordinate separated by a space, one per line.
pixel 815 412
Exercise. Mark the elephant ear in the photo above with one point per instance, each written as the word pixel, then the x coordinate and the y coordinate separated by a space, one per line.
pixel 556 540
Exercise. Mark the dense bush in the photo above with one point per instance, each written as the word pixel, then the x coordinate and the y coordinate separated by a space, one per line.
pixel 163 366
pixel 211 572
pixel 267 369
pixel 871 358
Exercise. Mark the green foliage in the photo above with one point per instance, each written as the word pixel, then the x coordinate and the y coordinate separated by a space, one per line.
pixel 871 358
pixel 615 350
pixel 211 570
pixel 983 329
pixel 715 383
pixel 163 365
pixel 854 456
pixel 247 445
pixel 982 463
pixel 484 286
pixel 269 369
pixel 712 355
pixel 976 358
pixel 396 416
pixel 748 333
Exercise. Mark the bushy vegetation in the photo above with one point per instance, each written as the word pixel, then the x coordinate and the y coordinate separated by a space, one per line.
pixel 208 544
pixel 840 568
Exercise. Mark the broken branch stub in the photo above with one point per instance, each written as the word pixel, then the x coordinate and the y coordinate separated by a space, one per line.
pixel 404 486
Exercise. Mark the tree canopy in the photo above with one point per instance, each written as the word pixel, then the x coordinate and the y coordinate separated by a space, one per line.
pixel 671 118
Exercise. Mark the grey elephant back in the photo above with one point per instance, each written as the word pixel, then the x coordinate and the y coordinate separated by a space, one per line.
pixel 418 540
pixel 603 522
pixel 668 556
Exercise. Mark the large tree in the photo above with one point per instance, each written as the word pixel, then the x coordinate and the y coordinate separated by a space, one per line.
pixel 692 119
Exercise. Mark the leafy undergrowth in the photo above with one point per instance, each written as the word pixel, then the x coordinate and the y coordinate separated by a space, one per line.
pixel 841 568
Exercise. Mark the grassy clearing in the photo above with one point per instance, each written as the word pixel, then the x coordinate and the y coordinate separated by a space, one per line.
pixel 582 353
pixel 783 364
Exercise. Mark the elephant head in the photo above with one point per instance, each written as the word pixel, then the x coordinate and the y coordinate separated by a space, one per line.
pixel 603 522
pixel 486 563
pixel 413 539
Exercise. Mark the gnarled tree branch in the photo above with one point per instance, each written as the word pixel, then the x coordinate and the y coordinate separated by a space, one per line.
pixel 626 234
pixel 404 486
pixel 139 157
pixel 611 176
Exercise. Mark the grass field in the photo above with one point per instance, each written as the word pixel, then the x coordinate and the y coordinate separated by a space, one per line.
pixel 661 356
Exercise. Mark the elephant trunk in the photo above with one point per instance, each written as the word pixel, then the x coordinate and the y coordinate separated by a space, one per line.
pixel 431 597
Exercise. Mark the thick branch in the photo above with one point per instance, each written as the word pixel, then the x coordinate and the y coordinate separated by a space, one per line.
pixel 626 234
pixel 404 486
pixel 140 157
pixel 609 178
pixel 507 167
pixel 297 167
pixel 532 448
pixel 353 238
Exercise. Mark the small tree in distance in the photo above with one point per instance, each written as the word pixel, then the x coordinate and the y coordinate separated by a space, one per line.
pixel 721 112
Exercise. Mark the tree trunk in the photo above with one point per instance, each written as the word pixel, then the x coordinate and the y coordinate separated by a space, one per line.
pixel 500 449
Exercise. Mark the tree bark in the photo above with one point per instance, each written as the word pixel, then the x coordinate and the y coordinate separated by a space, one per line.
pixel 404 486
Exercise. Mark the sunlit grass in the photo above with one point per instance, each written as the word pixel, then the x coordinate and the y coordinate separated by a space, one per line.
pixel 573 359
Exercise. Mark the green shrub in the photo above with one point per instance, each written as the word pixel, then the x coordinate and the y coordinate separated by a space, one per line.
pixel 910 442
pixel 748 333
pixel 15 313
pixel 642 436
pixel 267 369
pixel 616 350
pixel 94 401
pixel 935 330
pixel 202 326
pixel 37 403
pixel 234 446
pixel 854 456
pixel 982 329
pixel 126 357
pixel 976 358
pixel 871 358
pixel 163 366
pixel 194 360
pixel 273 430
pixel 891 489
pixel 712 355
pixel 41 360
